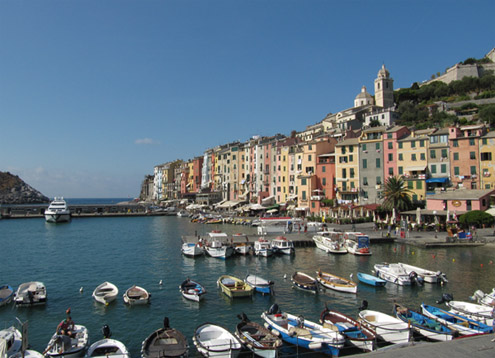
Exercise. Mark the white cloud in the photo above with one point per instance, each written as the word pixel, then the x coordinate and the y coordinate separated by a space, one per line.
pixel 145 141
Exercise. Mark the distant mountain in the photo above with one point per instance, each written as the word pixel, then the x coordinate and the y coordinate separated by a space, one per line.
pixel 13 190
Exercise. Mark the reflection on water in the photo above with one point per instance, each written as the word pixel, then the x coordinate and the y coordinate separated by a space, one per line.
pixel 145 250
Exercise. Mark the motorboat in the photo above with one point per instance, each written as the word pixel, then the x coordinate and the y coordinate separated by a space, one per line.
pixel 64 346
pixel 192 290
pixel 279 225
pixel 164 343
pixel 12 338
pixel 388 328
pixel 371 280
pixel 394 273
pixel 218 245
pixel 58 211
pixel 107 347
pixel 263 247
pixel 258 339
pixel 192 249
pixel 355 334
pixel 426 275
pixel 242 246
pixel 259 284
pixel 303 333
pixel 281 245
pixel 304 282
pixel 214 341
pixel 487 299
pixel 463 324
pixel 30 294
pixel 331 242
pixel 357 243
pixel 473 311
pixel 136 295
pixel 426 326
pixel 234 287
pixel 334 282
pixel 105 293
pixel 6 294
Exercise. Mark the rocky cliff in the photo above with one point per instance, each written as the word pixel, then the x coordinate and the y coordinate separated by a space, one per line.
pixel 13 190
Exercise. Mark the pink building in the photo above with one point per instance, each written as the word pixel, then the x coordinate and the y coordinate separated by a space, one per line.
pixel 460 201
pixel 390 149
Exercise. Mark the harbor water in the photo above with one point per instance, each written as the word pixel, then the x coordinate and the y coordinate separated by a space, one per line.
pixel 73 258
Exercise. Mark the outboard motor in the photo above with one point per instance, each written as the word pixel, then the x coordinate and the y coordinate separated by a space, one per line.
pixel 274 309
pixel 446 297
pixel 478 295
pixel 243 317
pixel 413 277
pixel 166 324
pixel 105 330
pixel 364 305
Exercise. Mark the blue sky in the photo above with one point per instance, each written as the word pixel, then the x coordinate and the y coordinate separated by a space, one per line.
pixel 95 93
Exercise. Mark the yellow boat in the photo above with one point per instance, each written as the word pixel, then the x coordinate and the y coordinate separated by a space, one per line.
pixel 234 287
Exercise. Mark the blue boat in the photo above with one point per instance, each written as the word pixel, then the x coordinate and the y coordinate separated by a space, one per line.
pixel 303 333
pixel 428 327
pixel 6 294
pixel 464 325
pixel 370 279
pixel 259 284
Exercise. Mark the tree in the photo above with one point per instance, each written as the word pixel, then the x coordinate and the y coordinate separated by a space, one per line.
pixel 487 113
pixel 476 218
pixel 396 194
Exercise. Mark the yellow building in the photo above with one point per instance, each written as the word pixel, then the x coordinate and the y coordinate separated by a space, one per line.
pixel 347 170
pixel 487 157
pixel 412 162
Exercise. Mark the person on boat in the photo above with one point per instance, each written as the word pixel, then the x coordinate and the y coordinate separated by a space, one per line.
pixel 66 327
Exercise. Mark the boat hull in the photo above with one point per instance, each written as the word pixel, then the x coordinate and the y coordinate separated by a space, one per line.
pixel 463 325
pixel 336 283
pixel 78 344
pixel 6 295
pixel 57 218
pixel 192 250
pixel 102 348
pixel 136 296
pixel 387 328
pixel 215 341
pixel 304 282
pixel 31 294
pixel 371 280
pixel 234 287
pixel 105 293
pixel 191 290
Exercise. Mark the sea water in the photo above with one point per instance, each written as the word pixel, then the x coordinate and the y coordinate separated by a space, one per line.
pixel 73 258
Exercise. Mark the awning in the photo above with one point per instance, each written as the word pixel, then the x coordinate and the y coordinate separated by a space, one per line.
pixel 416 169
pixel 303 208
pixel 275 206
pixel 268 200
pixel 437 180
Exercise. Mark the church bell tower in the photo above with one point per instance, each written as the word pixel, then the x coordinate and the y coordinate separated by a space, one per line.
pixel 384 89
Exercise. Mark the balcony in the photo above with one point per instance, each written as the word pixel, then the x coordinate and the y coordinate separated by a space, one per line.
pixel 317 197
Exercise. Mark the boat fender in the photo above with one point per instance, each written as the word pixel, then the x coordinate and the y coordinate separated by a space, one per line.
pixel 105 330
pixel 300 321
pixel 267 326
pixel 314 345
pixel 275 332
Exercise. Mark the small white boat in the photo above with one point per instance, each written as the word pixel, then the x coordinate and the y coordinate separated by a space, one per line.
pixel 481 313
pixel 13 340
pixel 487 299
pixel 426 275
pixel 105 293
pixel 214 341
pixel 107 347
pixel 6 295
pixel 28 353
pixel 331 242
pixel 218 245
pixel 192 290
pixel 136 295
pixel 281 245
pixel 165 342
pixel 262 247
pixel 357 243
pixel 58 211
pixel 68 346
pixel 335 282
pixel 192 249
pixel 394 273
pixel 387 327
pixel 259 284
pixel 241 243
pixel 30 294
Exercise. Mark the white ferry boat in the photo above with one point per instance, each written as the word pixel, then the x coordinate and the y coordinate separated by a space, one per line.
pixel 58 211
pixel 279 225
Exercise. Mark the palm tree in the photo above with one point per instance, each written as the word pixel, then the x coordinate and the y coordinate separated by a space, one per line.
pixel 396 194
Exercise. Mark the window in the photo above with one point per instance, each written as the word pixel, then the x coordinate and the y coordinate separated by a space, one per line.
pixel 343 150
pixel 401 157
pixel 413 144
pixel 309 157
pixel 378 162
pixel 443 168
pixel 378 180
pixel 390 145
pixel 310 147
pixel 433 169
pixel 473 170
pixel 401 170
pixel 422 156
pixel 410 184
pixel 351 158
pixel 344 173
pixel 389 135
pixel 422 143
pixel 400 145
pixel 415 197
pixel 377 147
pixel 351 148
pixel 456 156
pixel 352 185
pixel 324 181
pixel 364 146
pixel 390 157
pixel 365 181
pixel 303 181
pixel 365 194
pixel 444 153
pixel 472 155
pixel 413 157
pixel 390 171
pixel 471 141
pixel 455 143
pixel 456 170
pixel 484 141
pixel 419 184
pixel 365 163
pixel 304 195
pixel 486 156
pixel 351 172
pixel 323 168
pixel 433 153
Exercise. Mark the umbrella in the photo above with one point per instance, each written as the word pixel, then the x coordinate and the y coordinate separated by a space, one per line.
pixel 392 219
pixel 418 215
pixel 448 216
pixel 361 212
